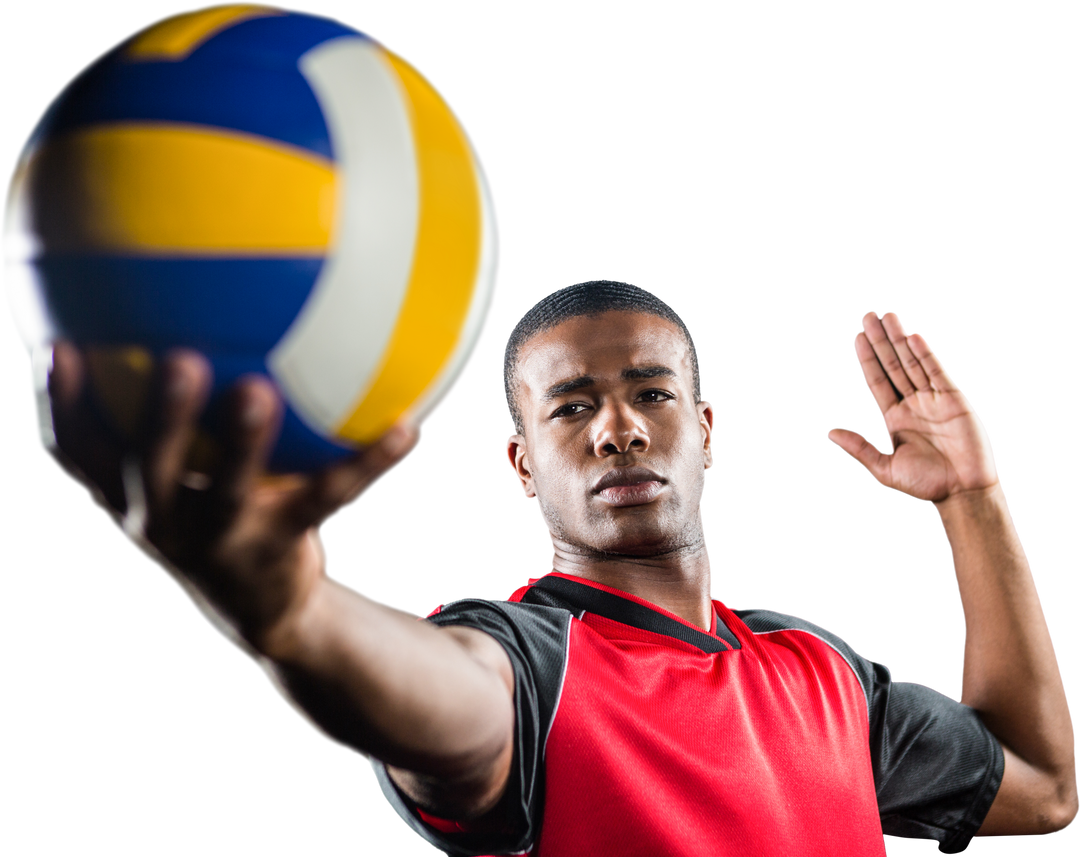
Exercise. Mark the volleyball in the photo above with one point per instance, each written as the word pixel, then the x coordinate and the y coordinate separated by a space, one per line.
pixel 275 190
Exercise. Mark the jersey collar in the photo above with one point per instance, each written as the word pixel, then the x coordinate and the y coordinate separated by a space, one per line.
pixel 580 597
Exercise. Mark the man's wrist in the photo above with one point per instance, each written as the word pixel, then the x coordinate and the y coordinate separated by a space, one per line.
pixel 972 501
pixel 287 636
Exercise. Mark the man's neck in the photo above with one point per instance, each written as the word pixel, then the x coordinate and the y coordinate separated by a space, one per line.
pixel 676 582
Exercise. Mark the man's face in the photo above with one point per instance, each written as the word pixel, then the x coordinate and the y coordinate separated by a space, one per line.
pixel 614 445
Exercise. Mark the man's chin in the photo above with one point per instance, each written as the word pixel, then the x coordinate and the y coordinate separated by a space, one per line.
pixel 642 531
pixel 639 542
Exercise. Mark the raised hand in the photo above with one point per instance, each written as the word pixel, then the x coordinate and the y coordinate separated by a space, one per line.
pixel 939 446
pixel 245 545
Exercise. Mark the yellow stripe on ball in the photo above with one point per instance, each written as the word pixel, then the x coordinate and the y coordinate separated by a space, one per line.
pixel 163 189
pixel 445 265
pixel 175 38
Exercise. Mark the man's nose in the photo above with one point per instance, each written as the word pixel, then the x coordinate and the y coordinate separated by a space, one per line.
pixel 619 429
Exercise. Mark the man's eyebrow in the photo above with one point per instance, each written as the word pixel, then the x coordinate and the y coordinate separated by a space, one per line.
pixel 643 373
pixel 634 373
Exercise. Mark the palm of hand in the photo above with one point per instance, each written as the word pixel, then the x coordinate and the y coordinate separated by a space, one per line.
pixel 939 446
pixel 244 544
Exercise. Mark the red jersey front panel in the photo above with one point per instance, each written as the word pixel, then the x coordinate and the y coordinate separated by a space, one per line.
pixel 761 750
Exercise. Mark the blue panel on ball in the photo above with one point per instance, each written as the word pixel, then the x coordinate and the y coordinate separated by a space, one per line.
pixel 244 79
pixel 298 447
pixel 241 305
pixel 272 102
pixel 273 39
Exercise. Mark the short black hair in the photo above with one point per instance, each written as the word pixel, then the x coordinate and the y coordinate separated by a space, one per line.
pixel 585 299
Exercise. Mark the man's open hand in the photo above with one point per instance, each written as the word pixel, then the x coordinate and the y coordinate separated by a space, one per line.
pixel 939 446
pixel 245 544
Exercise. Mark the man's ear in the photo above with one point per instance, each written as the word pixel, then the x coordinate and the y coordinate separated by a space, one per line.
pixel 519 460
pixel 705 417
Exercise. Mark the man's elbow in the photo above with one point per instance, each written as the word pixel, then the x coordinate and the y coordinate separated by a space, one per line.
pixel 1065 798
pixel 1031 801
pixel 1063 809
pixel 1057 807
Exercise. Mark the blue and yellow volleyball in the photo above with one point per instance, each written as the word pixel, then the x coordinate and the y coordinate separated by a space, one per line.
pixel 276 190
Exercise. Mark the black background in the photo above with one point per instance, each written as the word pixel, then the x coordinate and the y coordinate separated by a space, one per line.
pixel 773 179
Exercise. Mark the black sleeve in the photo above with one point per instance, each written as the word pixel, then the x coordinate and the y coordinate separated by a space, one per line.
pixel 937 768
pixel 535 639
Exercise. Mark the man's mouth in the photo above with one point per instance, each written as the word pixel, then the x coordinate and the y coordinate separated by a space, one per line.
pixel 637 494
pixel 628 486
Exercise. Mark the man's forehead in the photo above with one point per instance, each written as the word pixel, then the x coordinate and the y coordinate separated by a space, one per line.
pixel 608 344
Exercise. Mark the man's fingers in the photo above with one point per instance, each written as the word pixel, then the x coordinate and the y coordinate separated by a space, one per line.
pixel 860 449
pixel 252 421
pixel 939 376
pixel 889 344
pixel 80 442
pixel 66 375
pixel 874 376
pixel 892 365
pixel 177 397
pixel 146 482
pixel 342 483
pixel 908 370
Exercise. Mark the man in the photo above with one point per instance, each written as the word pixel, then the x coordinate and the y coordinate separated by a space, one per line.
pixel 613 707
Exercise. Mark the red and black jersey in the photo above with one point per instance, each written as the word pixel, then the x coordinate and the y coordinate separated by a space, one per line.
pixel 639 734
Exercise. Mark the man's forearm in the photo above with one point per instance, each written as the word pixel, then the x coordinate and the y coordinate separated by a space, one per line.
pixel 1010 672
pixel 430 700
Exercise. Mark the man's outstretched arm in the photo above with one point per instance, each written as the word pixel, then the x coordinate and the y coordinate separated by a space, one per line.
pixel 435 702
pixel 1011 676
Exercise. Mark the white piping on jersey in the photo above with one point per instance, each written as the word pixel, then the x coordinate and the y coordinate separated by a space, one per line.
pixel 562 681
pixel 866 696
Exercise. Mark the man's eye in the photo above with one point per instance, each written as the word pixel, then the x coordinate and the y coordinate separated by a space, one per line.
pixel 567 410
pixel 655 396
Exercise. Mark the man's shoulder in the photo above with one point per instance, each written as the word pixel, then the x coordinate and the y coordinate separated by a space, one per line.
pixel 528 603
pixel 760 621
pixel 530 633
pixel 763 624
pixel 465 610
